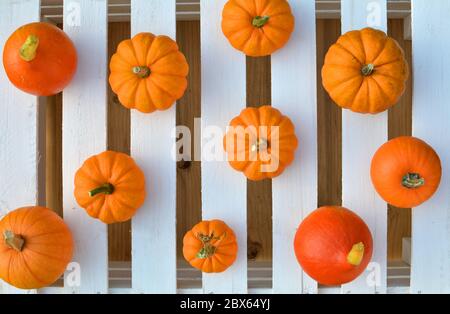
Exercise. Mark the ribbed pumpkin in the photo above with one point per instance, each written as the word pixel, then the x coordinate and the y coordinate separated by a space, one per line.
pixel 35 249
pixel 365 71
pixel 40 59
pixel 110 186
pixel 257 27
pixel 260 142
pixel 406 172
pixel 148 72
pixel 333 245
pixel 210 246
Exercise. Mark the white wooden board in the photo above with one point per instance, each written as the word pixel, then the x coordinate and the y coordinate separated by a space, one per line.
pixel 295 191
pixel 18 124
pixel 362 135
pixel 152 139
pixel 84 135
pixel 430 271
pixel 224 193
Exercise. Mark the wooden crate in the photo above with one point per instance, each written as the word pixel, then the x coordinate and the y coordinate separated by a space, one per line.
pixel 50 137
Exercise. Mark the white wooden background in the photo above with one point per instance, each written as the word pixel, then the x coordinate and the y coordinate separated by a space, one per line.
pixel 223 190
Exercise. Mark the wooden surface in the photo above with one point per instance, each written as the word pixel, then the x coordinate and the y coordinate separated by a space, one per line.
pixel 223 96
pixel 153 228
pixel 18 126
pixel 362 135
pixel 430 271
pixel 259 201
pixel 295 191
pixel 84 135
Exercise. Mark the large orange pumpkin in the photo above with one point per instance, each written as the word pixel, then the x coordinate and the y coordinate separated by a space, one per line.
pixel 148 72
pixel 365 71
pixel 333 245
pixel 257 27
pixel 40 59
pixel 210 246
pixel 110 186
pixel 406 172
pixel 36 247
pixel 260 142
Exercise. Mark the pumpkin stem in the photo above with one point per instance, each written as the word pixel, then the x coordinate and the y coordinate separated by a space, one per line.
pixel 260 21
pixel 356 255
pixel 208 249
pixel 13 240
pixel 368 69
pixel 142 71
pixel 106 188
pixel 28 50
pixel 413 181
pixel 259 146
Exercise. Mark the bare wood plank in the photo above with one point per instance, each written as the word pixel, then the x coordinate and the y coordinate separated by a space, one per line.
pixel 189 203
pixel 259 194
pixel 119 234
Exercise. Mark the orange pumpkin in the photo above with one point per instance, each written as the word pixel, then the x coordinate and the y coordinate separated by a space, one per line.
pixel 40 59
pixel 333 245
pixel 406 172
pixel 110 187
pixel 365 71
pixel 36 248
pixel 148 72
pixel 257 28
pixel 260 142
pixel 210 246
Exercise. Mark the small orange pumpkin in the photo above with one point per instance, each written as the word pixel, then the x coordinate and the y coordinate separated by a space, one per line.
pixel 261 143
pixel 257 28
pixel 110 187
pixel 40 59
pixel 406 172
pixel 148 72
pixel 365 71
pixel 36 247
pixel 210 246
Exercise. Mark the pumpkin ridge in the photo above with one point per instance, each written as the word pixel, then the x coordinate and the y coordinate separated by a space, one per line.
pixel 119 51
pixel 350 50
pixel 25 216
pixel 162 88
pixel 237 5
pixel 385 46
pixel 172 51
pixel 382 92
pixel 33 224
pixel 35 277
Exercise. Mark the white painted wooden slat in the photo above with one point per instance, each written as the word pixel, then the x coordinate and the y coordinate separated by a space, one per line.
pixel 295 191
pixel 18 124
pixel 362 135
pixel 430 268
pixel 152 141
pixel 84 134
pixel 223 97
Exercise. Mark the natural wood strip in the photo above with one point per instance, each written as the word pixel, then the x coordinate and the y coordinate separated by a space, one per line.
pixel 189 202
pixel 329 125
pixel 119 234
pixel 400 124
pixel 259 194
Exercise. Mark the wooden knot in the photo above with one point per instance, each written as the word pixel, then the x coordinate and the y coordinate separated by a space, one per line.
pixel 183 164
pixel 253 250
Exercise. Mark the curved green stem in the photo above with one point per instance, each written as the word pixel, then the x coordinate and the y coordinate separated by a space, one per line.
pixel 413 181
pixel 28 50
pixel 142 71
pixel 106 188
pixel 260 21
